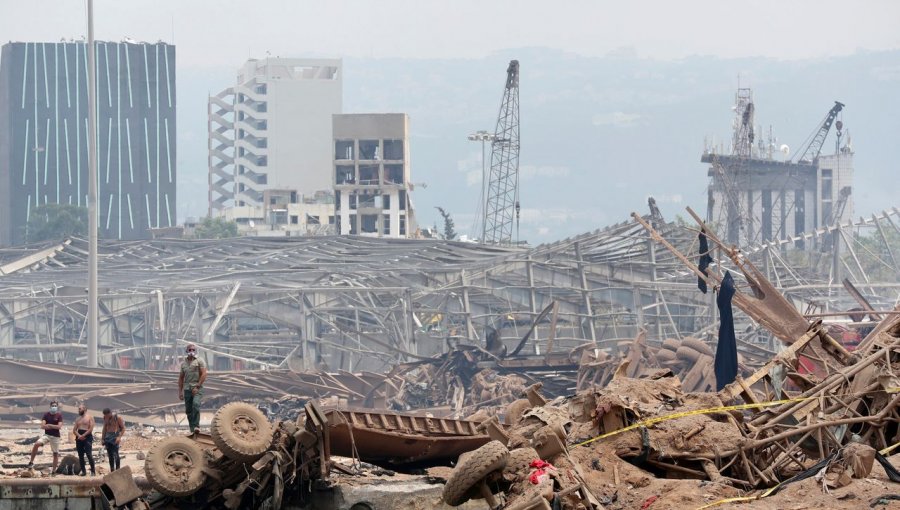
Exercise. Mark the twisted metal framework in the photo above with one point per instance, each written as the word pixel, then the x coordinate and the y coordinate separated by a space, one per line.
pixel 503 185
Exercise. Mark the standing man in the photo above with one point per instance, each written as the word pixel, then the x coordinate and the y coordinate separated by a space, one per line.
pixel 52 423
pixel 190 386
pixel 84 438
pixel 113 429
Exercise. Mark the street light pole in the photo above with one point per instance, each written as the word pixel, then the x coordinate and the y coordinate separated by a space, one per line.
pixel 92 340
pixel 483 136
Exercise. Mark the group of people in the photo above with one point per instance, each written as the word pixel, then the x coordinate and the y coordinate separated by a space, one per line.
pixel 83 430
pixel 190 389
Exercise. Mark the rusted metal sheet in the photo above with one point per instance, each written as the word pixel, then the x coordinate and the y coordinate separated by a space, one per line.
pixel 400 438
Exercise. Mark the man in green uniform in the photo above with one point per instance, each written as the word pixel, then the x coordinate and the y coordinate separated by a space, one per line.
pixel 190 385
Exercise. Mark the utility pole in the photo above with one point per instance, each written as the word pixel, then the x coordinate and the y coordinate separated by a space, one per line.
pixel 92 194
pixel 482 136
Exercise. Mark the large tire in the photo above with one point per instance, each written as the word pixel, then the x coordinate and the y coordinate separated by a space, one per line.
pixel 471 470
pixel 515 410
pixel 176 466
pixel 519 463
pixel 698 345
pixel 241 431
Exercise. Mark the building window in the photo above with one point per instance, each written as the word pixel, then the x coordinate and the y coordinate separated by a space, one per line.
pixel 295 220
pixel 368 174
pixel 369 224
pixel 337 200
pixel 402 225
pixel 385 201
pixel 368 149
pixel 393 174
pixel 353 230
pixel 386 224
pixel 343 149
pixel 366 201
pixel 827 190
pixel 393 150
pixel 331 220
pixel 402 199
pixel 344 174
pixel 353 201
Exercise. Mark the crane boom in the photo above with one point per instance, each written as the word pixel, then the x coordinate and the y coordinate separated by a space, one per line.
pixel 811 154
pixel 503 185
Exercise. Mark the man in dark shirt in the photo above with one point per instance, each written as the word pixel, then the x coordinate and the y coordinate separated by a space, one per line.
pixel 51 423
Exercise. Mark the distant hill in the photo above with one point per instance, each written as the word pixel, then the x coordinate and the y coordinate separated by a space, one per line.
pixel 598 134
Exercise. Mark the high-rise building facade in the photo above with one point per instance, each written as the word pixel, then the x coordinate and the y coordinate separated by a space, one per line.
pixel 44 134
pixel 272 131
pixel 371 175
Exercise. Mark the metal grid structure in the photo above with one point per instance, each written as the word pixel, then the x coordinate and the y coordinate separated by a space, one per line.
pixel 365 304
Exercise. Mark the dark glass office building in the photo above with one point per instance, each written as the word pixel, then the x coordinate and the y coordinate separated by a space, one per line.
pixel 44 142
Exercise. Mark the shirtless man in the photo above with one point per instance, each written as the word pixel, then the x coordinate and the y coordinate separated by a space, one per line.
pixel 84 438
pixel 113 429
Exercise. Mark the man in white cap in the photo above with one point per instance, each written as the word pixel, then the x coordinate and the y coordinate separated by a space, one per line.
pixel 190 385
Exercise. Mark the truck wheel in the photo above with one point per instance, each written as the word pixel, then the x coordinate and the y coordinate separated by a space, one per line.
pixel 471 470
pixel 175 466
pixel 241 431
pixel 519 463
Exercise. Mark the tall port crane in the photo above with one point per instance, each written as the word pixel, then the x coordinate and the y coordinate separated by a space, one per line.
pixel 502 203
pixel 811 154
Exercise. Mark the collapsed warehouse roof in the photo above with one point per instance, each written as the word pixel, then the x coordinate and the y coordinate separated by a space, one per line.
pixel 357 303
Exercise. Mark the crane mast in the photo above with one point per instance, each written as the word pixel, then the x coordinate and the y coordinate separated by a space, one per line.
pixel 502 202
pixel 811 154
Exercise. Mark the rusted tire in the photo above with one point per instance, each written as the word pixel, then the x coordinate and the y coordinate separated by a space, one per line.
pixel 685 353
pixel 241 431
pixel 698 345
pixel 175 466
pixel 665 355
pixel 515 410
pixel 671 344
pixel 471 470
pixel 519 462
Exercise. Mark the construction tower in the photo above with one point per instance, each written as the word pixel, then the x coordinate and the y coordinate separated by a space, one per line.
pixel 503 185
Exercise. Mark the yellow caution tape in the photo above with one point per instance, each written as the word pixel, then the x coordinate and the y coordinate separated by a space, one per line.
pixel 772 403
pixel 889 449
pixel 659 419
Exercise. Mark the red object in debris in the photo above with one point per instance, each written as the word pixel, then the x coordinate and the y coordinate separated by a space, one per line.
pixel 540 470
pixel 649 502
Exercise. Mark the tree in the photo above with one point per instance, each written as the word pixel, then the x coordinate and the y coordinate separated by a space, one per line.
pixel 449 232
pixel 215 228
pixel 56 222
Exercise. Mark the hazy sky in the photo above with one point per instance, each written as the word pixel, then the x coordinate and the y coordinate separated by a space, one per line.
pixel 214 38
pixel 225 32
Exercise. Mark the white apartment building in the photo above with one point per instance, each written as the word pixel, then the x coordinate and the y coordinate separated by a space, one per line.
pixel 272 131
pixel 371 175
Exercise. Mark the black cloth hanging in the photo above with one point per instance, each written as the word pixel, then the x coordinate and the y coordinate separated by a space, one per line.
pixel 705 261
pixel 726 351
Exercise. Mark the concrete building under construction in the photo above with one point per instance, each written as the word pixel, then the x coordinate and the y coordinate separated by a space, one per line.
pixel 757 194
